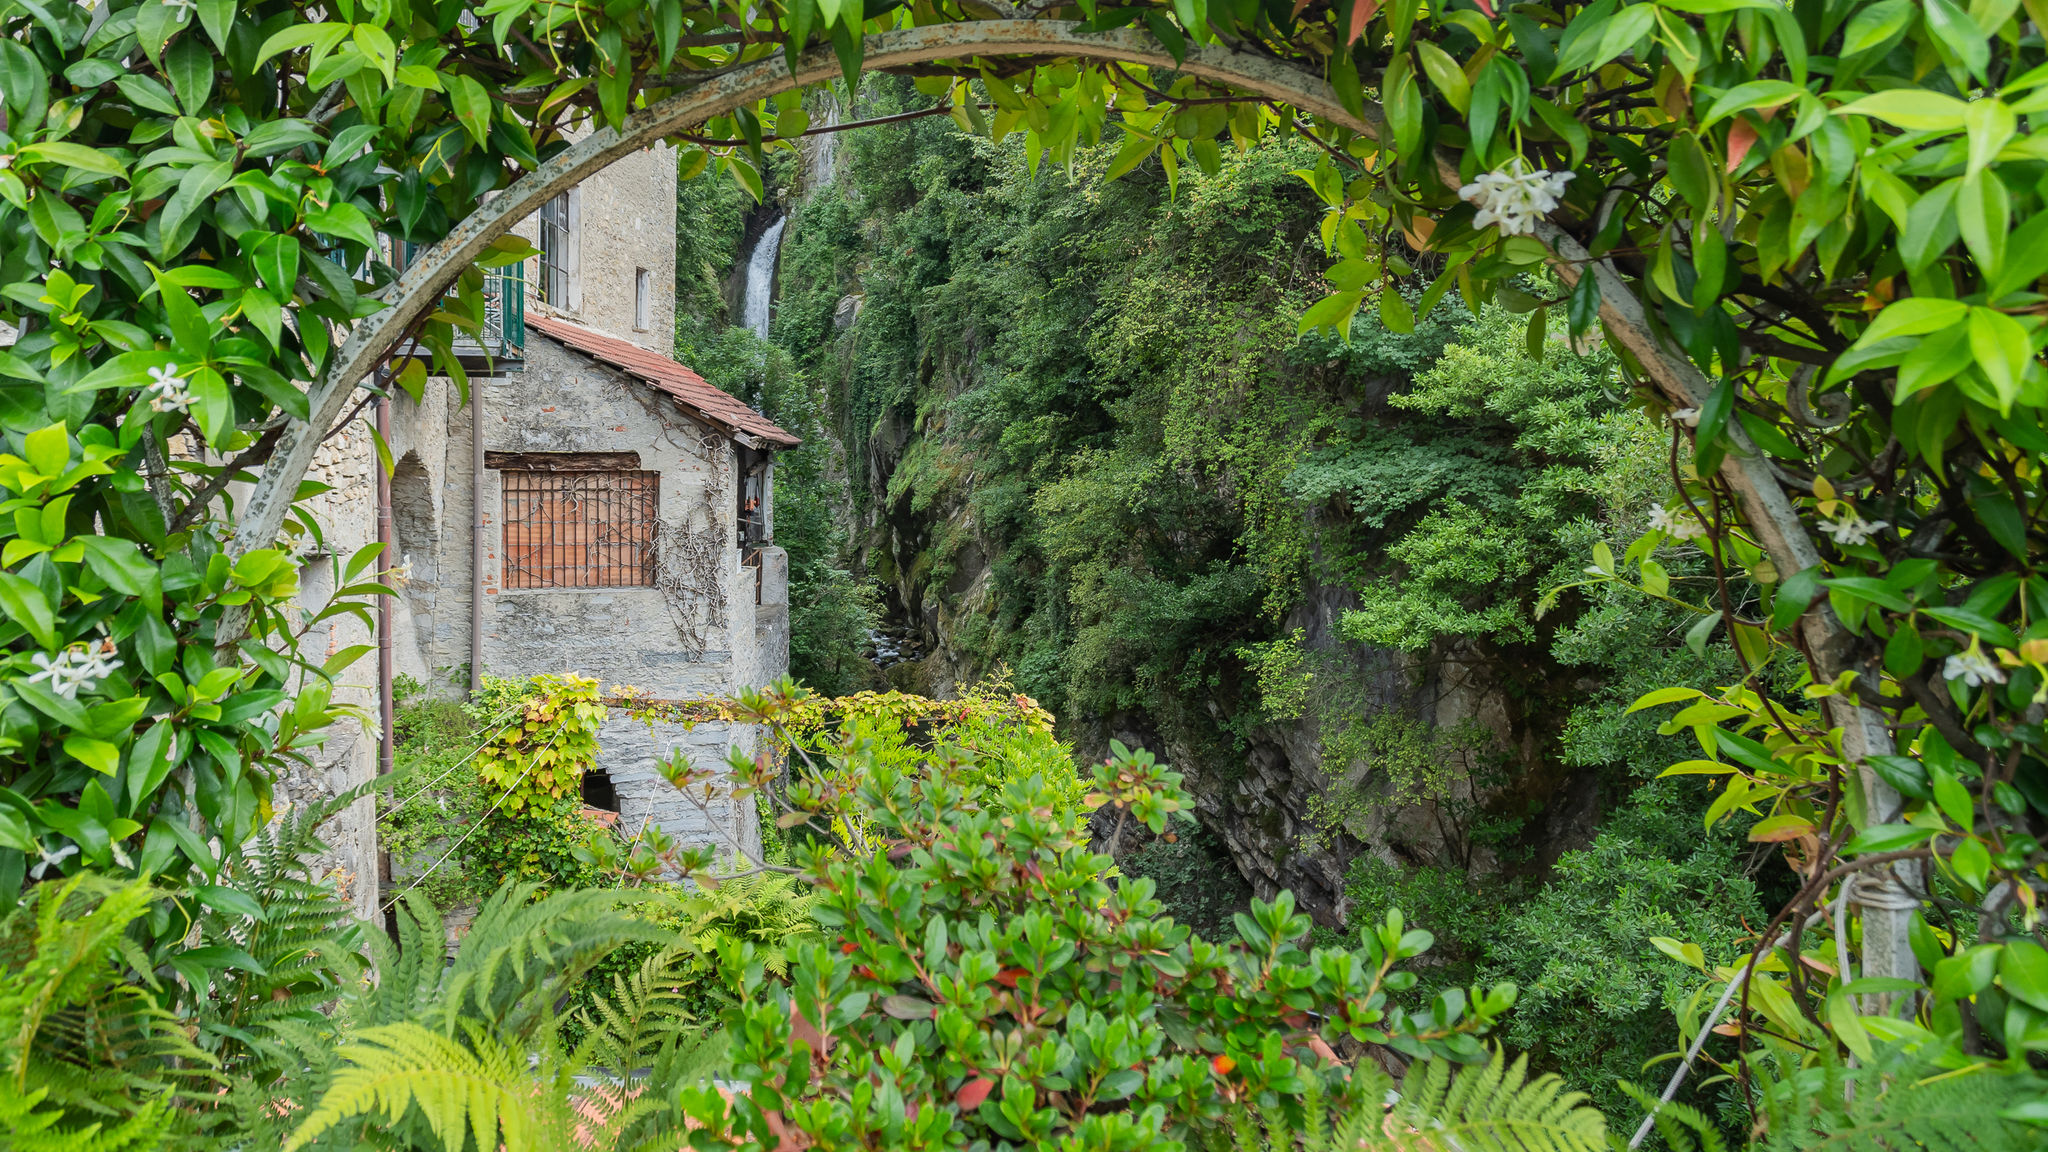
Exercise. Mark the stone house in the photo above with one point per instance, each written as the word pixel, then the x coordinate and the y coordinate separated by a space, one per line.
pixel 614 519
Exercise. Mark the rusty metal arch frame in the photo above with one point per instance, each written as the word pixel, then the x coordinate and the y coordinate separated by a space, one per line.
pixel 1767 510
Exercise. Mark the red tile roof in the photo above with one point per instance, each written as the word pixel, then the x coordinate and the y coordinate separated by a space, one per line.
pixel 691 390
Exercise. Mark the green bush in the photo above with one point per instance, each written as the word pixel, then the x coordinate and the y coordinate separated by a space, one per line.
pixel 981 981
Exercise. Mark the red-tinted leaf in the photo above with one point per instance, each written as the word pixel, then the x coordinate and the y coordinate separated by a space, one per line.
pixel 1361 11
pixel 974 1092
pixel 1740 137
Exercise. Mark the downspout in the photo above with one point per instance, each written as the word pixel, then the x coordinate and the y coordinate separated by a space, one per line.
pixel 476 539
pixel 385 711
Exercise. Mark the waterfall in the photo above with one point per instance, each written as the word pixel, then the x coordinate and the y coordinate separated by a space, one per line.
pixel 761 279
pixel 826 153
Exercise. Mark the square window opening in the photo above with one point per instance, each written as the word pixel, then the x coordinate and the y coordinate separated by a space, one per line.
pixel 580 529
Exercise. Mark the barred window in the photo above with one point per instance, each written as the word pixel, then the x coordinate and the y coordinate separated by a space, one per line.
pixel 580 528
pixel 554 252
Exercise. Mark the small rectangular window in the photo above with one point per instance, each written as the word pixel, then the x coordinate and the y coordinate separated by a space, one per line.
pixel 580 529
pixel 554 252
pixel 643 305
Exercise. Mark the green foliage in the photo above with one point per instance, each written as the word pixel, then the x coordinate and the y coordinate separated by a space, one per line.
pixel 1195 880
pixel 1494 1105
pixel 1895 1101
pixel 906 1025
pixel 87 1059
pixel 538 762
pixel 1597 996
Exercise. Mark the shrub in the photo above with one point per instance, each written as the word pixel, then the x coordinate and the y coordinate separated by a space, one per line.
pixel 982 980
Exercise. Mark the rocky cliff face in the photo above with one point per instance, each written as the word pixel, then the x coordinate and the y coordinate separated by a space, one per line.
pixel 1418 759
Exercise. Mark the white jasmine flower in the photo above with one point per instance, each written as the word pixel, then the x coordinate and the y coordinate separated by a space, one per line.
pixel 1973 668
pixel 300 548
pixel 188 5
pixel 77 668
pixel 6 162
pixel 401 572
pixel 1676 527
pixel 1852 529
pixel 51 859
pixel 1690 417
pixel 1514 196
pixel 167 391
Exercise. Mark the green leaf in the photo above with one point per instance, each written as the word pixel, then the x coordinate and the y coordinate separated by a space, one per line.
pixel 1887 838
pixel 1990 123
pixel 1874 26
pixel 190 67
pixel 26 605
pixel 218 18
pixel 1914 109
pixel 1972 863
pixel 1960 35
pixel 1403 103
pixel 198 184
pixel 1973 623
pixel 1609 38
pixel 2023 972
pixel 1394 311
pixel 74 156
pixel 345 221
pixel 1952 798
pixel 230 902
pixel 1445 75
pixel 1915 316
pixel 1136 147
pixel 1664 696
pixel 1744 97
pixel 1905 774
pixel 98 755
pixel 2002 352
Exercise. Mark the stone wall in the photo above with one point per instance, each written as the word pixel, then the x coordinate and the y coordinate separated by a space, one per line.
pixel 623 220
pixel 694 633
pixel 712 624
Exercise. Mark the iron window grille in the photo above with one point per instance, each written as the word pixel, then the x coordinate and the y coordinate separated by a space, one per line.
pixel 582 529
pixel 554 251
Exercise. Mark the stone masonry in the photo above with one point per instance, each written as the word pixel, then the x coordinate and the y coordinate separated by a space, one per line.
pixel 713 623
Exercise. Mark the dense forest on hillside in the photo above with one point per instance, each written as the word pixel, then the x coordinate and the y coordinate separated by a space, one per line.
pixel 1063 430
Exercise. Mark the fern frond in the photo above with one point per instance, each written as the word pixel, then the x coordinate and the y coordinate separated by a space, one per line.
pixel 389 1070
pixel 30 1128
pixel 520 952
pixel 1484 1108
pixel 1896 1104
pixel 1683 1127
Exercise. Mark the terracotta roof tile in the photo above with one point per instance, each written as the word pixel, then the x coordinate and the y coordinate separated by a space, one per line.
pixel 693 391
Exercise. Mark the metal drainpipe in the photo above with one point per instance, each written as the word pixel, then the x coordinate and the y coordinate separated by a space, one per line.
pixel 476 538
pixel 385 710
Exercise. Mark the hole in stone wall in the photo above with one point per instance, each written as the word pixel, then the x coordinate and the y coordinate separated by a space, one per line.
pixel 598 792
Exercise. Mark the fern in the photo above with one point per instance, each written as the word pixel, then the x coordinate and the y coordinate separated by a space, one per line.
pixel 466 1047
pixel 523 954
pixel 1683 1127
pixel 482 1088
pixel 30 1128
pixel 88 1060
pixel 1481 1108
pixel 306 946
pixel 1493 1107
pixel 1897 1103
